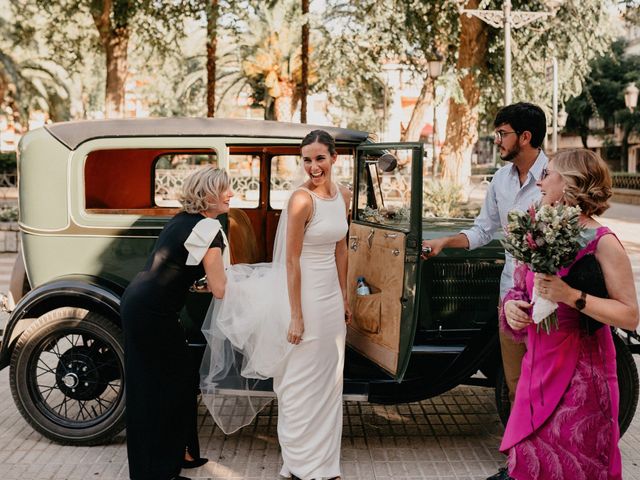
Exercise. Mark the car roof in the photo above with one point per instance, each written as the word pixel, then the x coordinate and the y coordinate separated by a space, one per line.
pixel 73 134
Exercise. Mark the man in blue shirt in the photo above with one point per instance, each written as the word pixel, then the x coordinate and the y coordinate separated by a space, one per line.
pixel 519 131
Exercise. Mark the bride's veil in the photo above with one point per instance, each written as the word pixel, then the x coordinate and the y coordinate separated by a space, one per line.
pixel 246 334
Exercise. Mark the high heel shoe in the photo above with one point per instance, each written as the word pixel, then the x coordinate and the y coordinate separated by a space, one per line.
pixel 195 463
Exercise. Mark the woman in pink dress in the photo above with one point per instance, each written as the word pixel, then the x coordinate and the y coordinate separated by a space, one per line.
pixel 564 421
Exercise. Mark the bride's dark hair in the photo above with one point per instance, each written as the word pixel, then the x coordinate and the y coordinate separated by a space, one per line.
pixel 321 137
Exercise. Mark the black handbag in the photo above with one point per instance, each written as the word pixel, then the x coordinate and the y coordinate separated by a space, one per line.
pixel 586 275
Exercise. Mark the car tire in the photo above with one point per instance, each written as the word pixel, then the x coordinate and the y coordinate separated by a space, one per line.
pixel 628 384
pixel 67 377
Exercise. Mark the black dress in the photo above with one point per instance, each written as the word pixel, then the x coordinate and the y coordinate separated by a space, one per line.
pixel 158 371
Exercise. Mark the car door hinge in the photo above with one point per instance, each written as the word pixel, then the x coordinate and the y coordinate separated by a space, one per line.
pixel 411 258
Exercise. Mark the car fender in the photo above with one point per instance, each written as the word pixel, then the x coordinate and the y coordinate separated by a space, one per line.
pixel 82 291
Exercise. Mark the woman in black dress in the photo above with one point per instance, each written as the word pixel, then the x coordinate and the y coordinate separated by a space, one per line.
pixel 161 436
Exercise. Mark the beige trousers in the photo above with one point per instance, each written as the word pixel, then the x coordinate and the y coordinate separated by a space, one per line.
pixel 512 354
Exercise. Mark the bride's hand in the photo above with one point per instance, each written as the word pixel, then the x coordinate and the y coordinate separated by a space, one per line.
pixel 296 329
pixel 347 313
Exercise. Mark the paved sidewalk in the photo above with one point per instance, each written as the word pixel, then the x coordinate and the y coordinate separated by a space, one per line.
pixel 453 436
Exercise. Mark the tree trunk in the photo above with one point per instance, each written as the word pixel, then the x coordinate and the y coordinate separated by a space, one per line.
pixel 115 41
pixel 584 136
pixel 212 43
pixel 304 60
pixel 425 100
pixel 283 108
pixel 462 121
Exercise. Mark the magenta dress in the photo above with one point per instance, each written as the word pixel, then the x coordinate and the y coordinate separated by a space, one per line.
pixel 564 421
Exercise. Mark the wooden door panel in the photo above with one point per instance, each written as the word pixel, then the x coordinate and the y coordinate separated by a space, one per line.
pixel 379 257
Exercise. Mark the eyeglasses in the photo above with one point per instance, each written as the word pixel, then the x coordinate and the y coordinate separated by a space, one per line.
pixel 499 135
pixel 544 174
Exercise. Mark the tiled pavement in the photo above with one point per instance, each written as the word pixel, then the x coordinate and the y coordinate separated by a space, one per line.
pixel 453 436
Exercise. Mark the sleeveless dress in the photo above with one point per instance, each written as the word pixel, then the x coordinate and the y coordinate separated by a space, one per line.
pixel 564 421
pixel 309 390
pixel 159 372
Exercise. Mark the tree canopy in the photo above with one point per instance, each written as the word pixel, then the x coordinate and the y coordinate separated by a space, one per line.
pixel 98 44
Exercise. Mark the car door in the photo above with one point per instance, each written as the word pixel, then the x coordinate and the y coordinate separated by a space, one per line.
pixel 384 247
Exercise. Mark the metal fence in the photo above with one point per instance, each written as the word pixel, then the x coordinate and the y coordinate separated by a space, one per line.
pixel 8 180
pixel 626 180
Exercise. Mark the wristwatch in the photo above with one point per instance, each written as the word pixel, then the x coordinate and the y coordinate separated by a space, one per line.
pixel 582 301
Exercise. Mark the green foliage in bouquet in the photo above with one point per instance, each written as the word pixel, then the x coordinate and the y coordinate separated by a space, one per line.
pixel 545 237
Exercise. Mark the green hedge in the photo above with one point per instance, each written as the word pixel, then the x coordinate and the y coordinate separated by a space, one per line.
pixel 484 170
pixel 8 162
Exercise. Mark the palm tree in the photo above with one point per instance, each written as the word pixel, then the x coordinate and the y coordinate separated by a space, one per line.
pixel 33 84
pixel 259 51
pixel 304 59
pixel 270 58
pixel 212 44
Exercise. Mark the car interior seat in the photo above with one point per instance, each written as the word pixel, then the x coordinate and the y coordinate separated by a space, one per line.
pixel 243 246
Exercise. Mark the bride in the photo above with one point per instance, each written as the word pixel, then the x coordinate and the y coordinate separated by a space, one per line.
pixel 287 320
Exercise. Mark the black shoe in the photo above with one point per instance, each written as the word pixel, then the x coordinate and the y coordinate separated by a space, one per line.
pixel 195 463
pixel 502 474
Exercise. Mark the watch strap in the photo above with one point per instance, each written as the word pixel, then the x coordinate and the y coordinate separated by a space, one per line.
pixel 582 301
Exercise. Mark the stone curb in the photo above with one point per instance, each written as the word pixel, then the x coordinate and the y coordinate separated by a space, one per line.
pixel 9 236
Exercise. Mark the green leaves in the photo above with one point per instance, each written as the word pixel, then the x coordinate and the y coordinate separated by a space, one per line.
pixel 545 237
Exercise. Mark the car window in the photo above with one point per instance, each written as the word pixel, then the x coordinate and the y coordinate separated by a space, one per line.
pixel 245 180
pixel 171 169
pixel 140 181
pixel 384 197
pixel 286 172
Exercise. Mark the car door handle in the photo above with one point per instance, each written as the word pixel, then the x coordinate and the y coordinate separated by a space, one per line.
pixel 370 238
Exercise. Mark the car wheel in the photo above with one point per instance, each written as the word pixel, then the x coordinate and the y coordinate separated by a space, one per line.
pixel 628 385
pixel 67 377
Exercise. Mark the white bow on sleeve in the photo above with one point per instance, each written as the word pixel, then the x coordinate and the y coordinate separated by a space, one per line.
pixel 200 239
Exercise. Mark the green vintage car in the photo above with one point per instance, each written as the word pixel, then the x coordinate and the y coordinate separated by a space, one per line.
pixel 95 195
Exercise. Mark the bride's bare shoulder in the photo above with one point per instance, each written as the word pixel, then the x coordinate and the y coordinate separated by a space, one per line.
pixel 345 192
pixel 300 201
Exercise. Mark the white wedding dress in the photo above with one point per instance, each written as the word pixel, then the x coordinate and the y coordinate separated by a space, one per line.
pixel 246 335
pixel 310 388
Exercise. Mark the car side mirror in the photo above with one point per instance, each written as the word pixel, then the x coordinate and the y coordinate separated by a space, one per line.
pixel 387 162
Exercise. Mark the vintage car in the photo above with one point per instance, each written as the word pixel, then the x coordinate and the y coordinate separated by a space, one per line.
pixel 94 196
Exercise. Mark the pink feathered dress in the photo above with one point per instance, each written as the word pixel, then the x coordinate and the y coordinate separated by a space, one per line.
pixel 564 421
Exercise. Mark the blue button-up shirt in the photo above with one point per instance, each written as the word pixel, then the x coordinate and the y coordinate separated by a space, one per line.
pixel 503 195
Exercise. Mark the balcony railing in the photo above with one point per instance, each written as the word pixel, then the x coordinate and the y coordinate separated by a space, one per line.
pixel 626 180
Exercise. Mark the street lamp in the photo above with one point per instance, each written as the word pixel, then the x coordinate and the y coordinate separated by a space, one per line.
pixel 559 121
pixel 508 19
pixel 435 70
pixel 631 96
pixel 562 118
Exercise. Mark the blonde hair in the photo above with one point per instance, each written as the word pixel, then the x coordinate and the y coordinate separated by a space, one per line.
pixel 204 182
pixel 587 177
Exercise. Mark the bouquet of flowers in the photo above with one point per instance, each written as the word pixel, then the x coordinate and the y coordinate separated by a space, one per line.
pixel 546 238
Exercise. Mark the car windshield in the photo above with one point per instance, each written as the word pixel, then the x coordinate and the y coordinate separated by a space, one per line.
pixel 384 188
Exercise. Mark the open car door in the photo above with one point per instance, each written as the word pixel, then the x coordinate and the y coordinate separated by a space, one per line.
pixel 384 246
